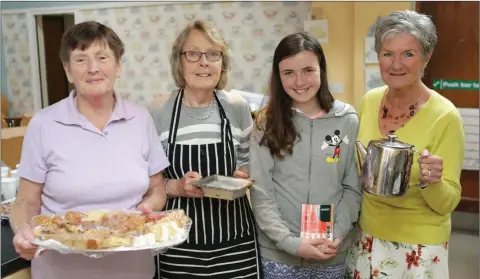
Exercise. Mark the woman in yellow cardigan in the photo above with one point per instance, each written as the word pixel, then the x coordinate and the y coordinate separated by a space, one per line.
pixel 407 237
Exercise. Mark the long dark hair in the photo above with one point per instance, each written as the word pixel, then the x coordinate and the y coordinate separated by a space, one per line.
pixel 276 119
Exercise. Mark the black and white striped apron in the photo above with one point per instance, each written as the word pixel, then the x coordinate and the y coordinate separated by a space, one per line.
pixel 222 241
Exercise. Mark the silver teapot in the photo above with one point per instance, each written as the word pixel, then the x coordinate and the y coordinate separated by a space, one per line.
pixel 385 166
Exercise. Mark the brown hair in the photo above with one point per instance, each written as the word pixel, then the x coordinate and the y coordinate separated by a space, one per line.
pixel 276 120
pixel 215 37
pixel 82 35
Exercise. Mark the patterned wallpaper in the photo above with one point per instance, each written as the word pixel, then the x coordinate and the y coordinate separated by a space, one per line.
pixel 17 60
pixel 252 31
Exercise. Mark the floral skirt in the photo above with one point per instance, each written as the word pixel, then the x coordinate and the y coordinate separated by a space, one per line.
pixel 274 270
pixel 371 258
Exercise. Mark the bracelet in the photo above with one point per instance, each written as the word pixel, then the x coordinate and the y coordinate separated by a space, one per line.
pixel 165 186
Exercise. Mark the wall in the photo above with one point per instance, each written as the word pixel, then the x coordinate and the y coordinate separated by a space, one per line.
pixel 339 49
pixel 13 5
pixel 3 69
pixel 348 24
pixel 17 58
pixel 365 16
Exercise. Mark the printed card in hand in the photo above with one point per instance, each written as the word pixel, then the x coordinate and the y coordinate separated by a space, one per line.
pixel 317 221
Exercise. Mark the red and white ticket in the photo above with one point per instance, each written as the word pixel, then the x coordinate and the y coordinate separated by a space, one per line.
pixel 317 221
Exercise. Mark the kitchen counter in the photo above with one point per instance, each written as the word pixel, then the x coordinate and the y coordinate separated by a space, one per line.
pixel 11 261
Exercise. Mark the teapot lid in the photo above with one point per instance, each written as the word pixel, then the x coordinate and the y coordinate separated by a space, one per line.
pixel 392 141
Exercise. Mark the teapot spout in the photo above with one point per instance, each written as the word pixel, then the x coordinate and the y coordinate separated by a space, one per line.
pixel 361 153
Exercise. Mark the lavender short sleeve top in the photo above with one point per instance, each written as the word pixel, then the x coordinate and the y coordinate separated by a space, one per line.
pixel 82 168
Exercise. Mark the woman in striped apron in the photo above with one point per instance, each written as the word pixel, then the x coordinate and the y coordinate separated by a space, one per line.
pixel 222 240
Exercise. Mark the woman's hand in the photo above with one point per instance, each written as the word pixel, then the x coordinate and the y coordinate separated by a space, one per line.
pixel 27 204
pixel 431 168
pixel 329 247
pixel 22 241
pixel 144 208
pixel 155 197
pixel 240 174
pixel 308 249
pixel 188 189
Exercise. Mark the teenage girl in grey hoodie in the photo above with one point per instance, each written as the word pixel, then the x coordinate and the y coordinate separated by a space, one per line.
pixel 302 152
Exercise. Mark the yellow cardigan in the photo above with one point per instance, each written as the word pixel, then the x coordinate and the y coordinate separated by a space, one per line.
pixel 421 216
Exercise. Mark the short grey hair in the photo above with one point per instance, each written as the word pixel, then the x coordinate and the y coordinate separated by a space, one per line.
pixel 418 25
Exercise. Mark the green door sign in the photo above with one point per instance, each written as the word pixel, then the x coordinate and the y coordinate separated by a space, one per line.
pixel 456 84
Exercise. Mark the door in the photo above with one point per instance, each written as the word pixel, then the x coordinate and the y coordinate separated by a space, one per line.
pixel 57 84
pixel 456 57
pixel 50 29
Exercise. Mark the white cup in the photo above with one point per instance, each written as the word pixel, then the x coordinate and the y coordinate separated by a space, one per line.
pixel 14 173
pixel 9 187
pixel 5 171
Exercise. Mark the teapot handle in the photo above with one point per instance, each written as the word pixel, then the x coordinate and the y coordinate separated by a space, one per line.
pixel 415 151
pixel 423 184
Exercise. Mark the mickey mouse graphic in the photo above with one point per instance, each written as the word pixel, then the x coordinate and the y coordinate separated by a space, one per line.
pixel 334 140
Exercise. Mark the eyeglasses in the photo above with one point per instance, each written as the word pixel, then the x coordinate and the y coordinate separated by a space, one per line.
pixel 194 56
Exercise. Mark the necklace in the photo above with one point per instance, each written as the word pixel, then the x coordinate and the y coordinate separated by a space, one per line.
pixel 212 104
pixel 394 118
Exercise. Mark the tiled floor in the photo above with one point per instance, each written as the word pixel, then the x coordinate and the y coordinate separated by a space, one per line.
pixel 464 255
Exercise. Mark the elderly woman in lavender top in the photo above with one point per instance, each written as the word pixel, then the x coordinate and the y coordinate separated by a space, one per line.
pixel 92 150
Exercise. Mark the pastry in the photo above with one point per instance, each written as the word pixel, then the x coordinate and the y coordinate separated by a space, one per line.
pixel 58 220
pixel 116 241
pixel 73 217
pixel 41 220
pixel 103 229
pixel 84 244
pixel 73 228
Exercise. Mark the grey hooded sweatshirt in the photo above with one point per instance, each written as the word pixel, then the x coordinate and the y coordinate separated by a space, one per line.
pixel 310 175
